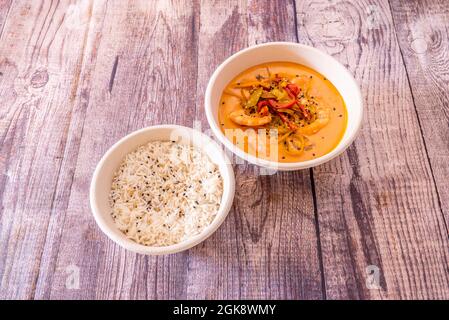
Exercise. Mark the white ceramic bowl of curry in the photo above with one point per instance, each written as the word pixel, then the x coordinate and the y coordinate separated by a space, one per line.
pixel 310 98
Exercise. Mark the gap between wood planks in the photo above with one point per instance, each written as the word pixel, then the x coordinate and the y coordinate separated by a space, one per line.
pixel 317 229
pixel 312 186
pixel 113 72
pixel 360 258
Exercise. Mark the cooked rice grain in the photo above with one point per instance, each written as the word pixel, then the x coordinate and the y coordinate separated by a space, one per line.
pixel 164 193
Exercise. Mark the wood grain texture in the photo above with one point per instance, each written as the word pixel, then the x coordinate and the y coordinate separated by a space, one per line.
pixel 5 5
pixel 377 203
pixel 422 31
pixel 150 57
pixel 39 150
pixel 75 76
pixel 267 248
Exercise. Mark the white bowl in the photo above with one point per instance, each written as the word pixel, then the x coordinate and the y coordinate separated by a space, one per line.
pixel 313 58
pixel 103 175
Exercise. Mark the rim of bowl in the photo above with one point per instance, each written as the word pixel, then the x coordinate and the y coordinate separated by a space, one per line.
pixel 225 205
pixel 282 166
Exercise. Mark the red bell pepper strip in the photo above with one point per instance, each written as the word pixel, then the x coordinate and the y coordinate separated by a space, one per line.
pixel 290 93
pixel 303 110
pixel 277 105
pixel 272 103
pixel 261 104
pixel 264 111
pixel 290 124
pixel 293 88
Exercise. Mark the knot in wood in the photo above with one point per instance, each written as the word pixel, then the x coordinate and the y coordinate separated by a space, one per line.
pixel 39 78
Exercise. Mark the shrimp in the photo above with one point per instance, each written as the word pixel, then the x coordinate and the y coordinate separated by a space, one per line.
pixel 323 117
pixel 241 118
pixel 295 144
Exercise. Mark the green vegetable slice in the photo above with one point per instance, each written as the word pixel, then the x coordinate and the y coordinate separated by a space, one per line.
pixel 254 98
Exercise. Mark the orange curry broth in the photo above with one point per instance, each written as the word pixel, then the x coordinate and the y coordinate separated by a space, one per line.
pixel 323 91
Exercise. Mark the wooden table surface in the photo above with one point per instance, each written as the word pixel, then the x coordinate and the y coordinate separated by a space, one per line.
pixel 76 76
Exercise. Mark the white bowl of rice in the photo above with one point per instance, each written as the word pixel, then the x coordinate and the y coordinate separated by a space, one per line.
pixel 162 189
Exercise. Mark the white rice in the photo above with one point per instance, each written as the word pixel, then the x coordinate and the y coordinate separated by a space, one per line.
pixel 164 193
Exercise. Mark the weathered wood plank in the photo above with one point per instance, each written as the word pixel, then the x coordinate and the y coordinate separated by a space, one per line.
pixel 5 6
pixel 377 203
pixel 77 76
pixel 86 19
pixel 38 154
pixel 145 63
pixel 267 248
pixel 422 30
